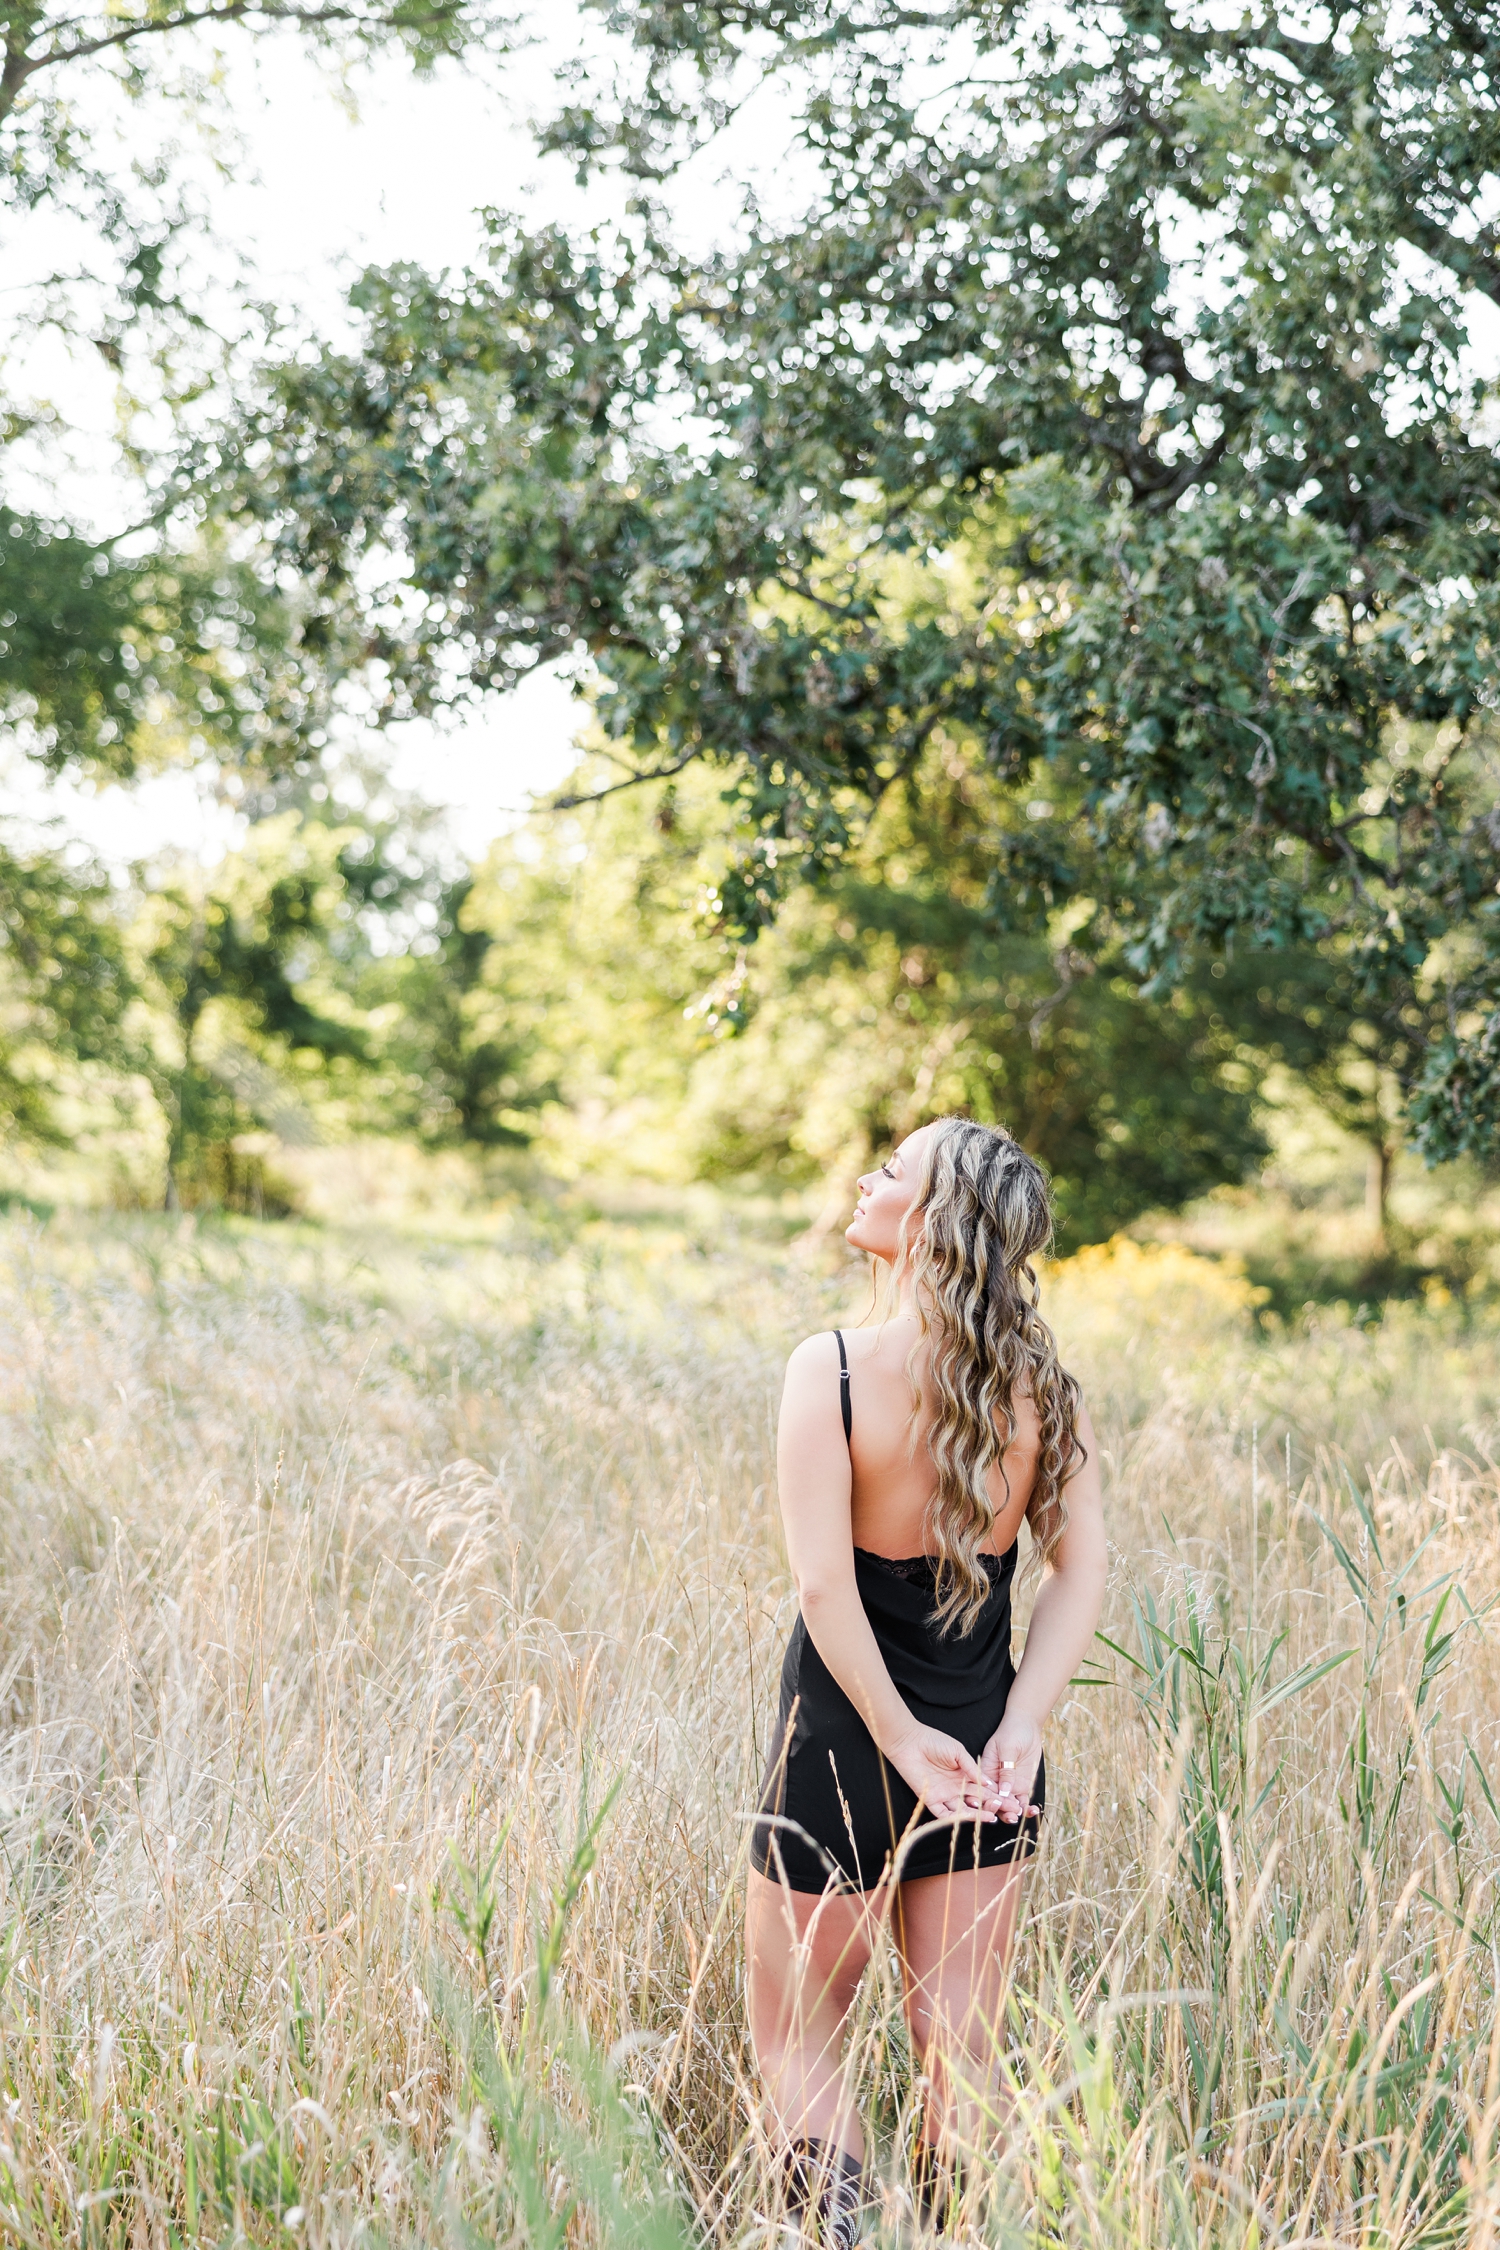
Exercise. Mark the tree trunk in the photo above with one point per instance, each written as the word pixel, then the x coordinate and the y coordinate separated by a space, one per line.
pixel 1378 1188
pixel 177 1123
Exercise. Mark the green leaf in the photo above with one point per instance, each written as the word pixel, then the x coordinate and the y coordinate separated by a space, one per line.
pixel 1304 1677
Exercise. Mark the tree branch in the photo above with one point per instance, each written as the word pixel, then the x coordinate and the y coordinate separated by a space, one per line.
pixel 633 780
pixel 799 586
pixel 1331 847
pixel 21 66
pixel 1476 263
pixel 1116 128
pixel 907 764
pixel 1153 484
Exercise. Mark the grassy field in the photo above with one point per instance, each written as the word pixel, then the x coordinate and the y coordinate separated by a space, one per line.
pixel 389 1633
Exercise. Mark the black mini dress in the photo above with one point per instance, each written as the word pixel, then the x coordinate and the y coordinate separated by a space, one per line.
pixel 831 1810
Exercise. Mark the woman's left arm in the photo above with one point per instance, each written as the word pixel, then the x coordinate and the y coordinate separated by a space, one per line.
pixel 1063 1618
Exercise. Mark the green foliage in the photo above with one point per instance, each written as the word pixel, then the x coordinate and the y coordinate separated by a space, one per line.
pixel 324 977
pixel 157 644
pixel 109 664
pixel 64 984
pixel 1146 333
pixel 244 943
pixel 458 1059
pixel 66 645
pixel 891 991
pixel 84 626
pixel 335 973
pixel 212 948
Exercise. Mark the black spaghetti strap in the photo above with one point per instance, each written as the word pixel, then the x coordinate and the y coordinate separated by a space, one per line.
pixel 848 1411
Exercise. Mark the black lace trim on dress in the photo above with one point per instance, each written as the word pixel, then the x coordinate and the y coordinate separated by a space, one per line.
pixel 925 1566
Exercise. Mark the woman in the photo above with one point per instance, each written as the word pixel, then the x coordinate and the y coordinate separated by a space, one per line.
pixel 906 1780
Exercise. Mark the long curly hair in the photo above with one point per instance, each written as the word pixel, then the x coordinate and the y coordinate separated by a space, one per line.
pixel 981 1214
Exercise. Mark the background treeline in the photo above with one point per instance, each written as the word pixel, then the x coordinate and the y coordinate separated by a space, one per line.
pixel 339 974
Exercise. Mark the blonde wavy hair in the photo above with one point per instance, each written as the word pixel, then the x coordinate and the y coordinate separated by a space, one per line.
pixel 981 1214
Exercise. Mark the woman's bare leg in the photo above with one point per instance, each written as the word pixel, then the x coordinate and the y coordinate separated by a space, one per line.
pixel 954 1934
pixel 804 1956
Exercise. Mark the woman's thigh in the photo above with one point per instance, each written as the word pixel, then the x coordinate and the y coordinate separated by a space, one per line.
pixel 954 1934
pixel 805 1953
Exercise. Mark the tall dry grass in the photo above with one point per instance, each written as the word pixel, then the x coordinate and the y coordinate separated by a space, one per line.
pixel 388 1646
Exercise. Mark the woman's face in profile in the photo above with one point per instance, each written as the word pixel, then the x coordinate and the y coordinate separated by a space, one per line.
pixel 885 1197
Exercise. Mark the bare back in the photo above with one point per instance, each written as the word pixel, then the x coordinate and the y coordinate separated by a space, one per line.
pixel 893 1479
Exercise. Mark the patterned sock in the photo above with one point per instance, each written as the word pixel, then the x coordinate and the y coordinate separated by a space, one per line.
pixel 826 2186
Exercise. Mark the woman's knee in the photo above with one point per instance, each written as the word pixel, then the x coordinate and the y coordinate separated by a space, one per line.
pixel 795 2002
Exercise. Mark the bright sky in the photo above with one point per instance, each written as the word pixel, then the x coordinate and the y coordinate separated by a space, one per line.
pixel 319 193
pixel 321 189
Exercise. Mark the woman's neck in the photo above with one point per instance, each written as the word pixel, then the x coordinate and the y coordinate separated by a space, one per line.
pixel 906 1306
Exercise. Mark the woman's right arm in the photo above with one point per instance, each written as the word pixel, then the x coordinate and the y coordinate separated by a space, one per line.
pixel 814 1478
pixel 1063 1618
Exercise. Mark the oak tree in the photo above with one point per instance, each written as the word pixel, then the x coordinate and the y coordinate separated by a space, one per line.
pixel 1115 403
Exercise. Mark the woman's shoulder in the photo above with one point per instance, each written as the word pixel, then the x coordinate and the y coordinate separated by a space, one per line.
pixel 817 1356
pixel 883 1345
pixel 814 1352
